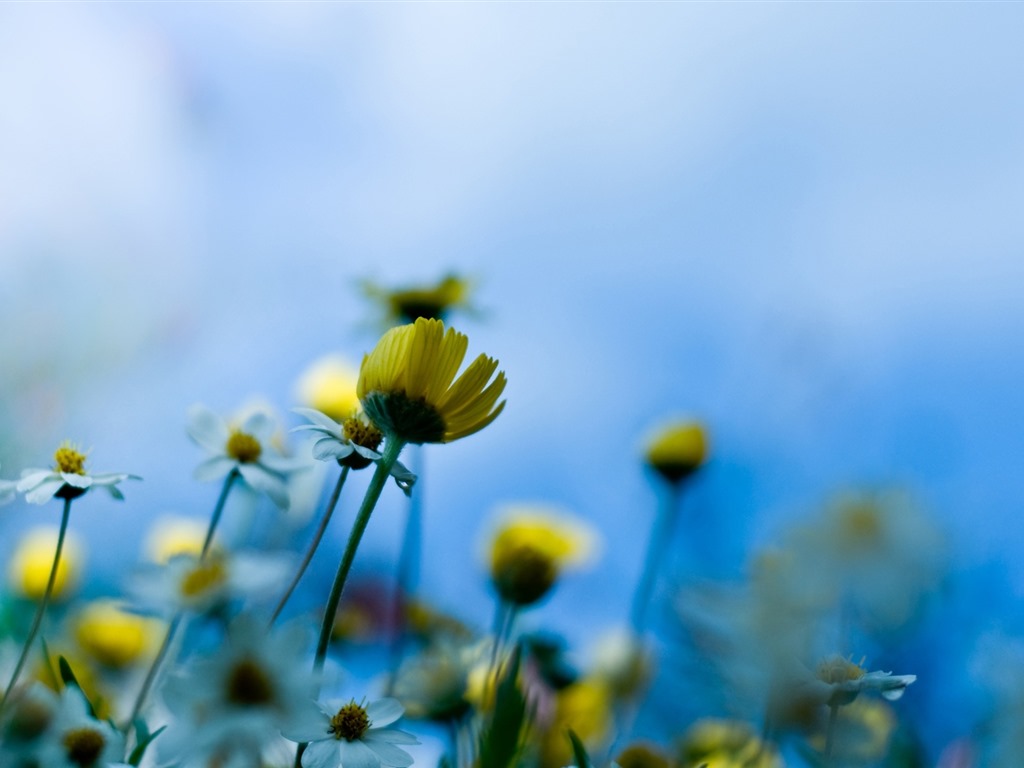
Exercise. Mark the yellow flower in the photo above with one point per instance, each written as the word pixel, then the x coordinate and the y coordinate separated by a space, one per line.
pixel 406 385
pixel 431 302
pixel 113 636
pixel 586 708
pixel 713 743
pixel 329 386
pixel 30 566
pixel 530 549
pixel 172 536
pixel 862 734
pixel 677 450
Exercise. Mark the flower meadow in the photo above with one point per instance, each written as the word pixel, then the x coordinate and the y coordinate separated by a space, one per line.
pixel 222 652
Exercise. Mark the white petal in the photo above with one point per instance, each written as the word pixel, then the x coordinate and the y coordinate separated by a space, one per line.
pixel 308 724
pixel 384 712
pixel 319 419
pixel 214 468
pixel 392 736
pixel 366 453
pixel 207 429
pixel 33 477
pixel 322 754
pixel 44 492
pixel 260 425
pixel 262 480
pixel 76 481
pixel 330 448
pixel 112 478
pixel 355 754
pixel 388 753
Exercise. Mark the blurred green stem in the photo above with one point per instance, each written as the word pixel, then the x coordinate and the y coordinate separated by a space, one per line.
pixel 217 510
pixel 661 537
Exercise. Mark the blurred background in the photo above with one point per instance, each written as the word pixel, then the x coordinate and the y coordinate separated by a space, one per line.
pixel 798 223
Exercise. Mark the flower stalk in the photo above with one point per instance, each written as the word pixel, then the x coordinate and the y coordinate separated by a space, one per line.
pixel 657 545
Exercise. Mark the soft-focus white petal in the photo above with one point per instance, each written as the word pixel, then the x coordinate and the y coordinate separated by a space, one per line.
pixel 43 493
pixel 319 419
pixel 322 754
pixel 262 480
pixel 214 468
pixel 30 478
pixel 207 429
pixel 384 712
pixel 393 736
pixel 330 448
pixel 387 752
pixel 355 754
pixel 76 481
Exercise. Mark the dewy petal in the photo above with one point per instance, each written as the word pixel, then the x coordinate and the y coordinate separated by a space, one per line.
pixel 388 753
pixel 76 481
pixel 44 492
pixel 207 429
pixel 384 712
pixel 214 468
pixel 318 419
pixel 322 753
pixel 355 754
pixel 262 480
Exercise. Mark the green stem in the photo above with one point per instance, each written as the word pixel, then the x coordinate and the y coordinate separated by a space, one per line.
pixel 373 491
pixel 217 510
pixel 661 535
pixel 408 566
pixel 147 684
pixel 41 610
pixel 318 536
pixel 833 718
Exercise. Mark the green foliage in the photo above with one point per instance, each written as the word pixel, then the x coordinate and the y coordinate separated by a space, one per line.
pixel 501 738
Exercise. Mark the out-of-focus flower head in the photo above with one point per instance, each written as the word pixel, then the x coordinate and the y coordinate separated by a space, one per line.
pixel 586 708
pixel 716 743
pixel 247 449
pixel 434 684
pixel 232 704
pixel 847 680
pixel 29 568
pixel 877 552
pixel 624 661
pixel 430 301
pixel 30 713
pixel 68 479
pixel 643 754
pixel 677 449
pixel 862 733
pixel 408 388
pixel 78 740
pixel 114 637
pixel 172 535
pixel 328 385
pixel 531 546
pixel 353 443
pixel 354 735
pixel 199 585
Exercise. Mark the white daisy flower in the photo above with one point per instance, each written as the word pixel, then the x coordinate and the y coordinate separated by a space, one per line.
pixel 30 713
pixel 845 680
pixel 78 740
pixel 68 478
pixel 192 584
pixel 352 443
pixel 230 706
pixel 246 450
pixel 354 736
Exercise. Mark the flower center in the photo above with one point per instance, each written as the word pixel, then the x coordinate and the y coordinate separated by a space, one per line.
pixel 29 721
pixel 350 723
pixel 861 523
pixel 249 685
pixel 84 746
pixel 523 574
pixel 203 578
pixel 836 669
pixel 413 421
pixel 69 459
pixel 362 433
pixel 243 447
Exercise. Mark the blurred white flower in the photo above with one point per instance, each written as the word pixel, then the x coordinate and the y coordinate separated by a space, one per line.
pixel 30 714
pixel 78 740
pixel 68 478
pixel 355 736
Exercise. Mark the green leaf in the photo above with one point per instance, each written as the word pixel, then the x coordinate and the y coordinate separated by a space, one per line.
pixel 67 676
pixel 140 751
pixel 499 742
pixel 579 751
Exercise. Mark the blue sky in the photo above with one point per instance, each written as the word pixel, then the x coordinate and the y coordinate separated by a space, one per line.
pixel 800 222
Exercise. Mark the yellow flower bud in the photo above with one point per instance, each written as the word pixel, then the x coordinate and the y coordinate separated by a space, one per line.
pixel 115 637
pixel 677 450
pixel 329 386
pixel 29 569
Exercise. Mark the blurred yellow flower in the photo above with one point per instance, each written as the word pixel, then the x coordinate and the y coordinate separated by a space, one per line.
pixel 531 547
pixel 713 743
pixel 431 302
pixel 30 566
pixel 676 450
pixel 171 536
pixel 642 755
pixel 586 708
pixel 114 637
pixel 406 385
pixel 328 385
pixel 862 733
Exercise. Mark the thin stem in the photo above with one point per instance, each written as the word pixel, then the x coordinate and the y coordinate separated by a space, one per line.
pixel 661 535
pixel 321 529
pixel 504 619
pixel 217 510
pixel 408 570
pixel 151 675
pixel 833 717
pixel 47 594
pixel 373 491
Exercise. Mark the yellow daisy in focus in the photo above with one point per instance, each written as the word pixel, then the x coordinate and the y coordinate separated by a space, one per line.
pixel 328 385
pixel 530 549
pixel 113 636
pixel 408 388
pixel 677 450
pixel 431 302
pixel 30 566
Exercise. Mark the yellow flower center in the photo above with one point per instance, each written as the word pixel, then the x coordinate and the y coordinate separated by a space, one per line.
pixel 249 685
pixel 836 669
pixel 84 746
pixel 243 447
pixel 350 723
pixel 69 460
pixel 362 433
pixel 861 523
pixel 203 578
